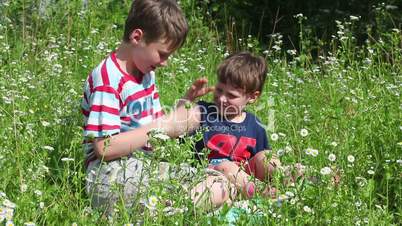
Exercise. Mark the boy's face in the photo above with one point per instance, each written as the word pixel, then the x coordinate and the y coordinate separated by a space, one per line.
pixel 147 57
pixel 231 101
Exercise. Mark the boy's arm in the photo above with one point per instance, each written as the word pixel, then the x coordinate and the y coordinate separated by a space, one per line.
pixel 198 88
pixel 182 120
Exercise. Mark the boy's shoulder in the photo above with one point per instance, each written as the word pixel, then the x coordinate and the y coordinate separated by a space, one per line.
pixel 109 73
pixel 254 121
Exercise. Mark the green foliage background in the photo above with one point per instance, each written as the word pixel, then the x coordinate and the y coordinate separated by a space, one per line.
pixel 347 96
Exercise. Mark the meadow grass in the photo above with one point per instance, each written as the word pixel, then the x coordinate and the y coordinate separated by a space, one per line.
pixel 338 113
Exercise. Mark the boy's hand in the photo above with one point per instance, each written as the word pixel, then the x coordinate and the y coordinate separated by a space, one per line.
pixel 198 89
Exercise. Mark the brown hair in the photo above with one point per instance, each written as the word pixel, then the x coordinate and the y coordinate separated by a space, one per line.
pixel 159 19
pixel 243 70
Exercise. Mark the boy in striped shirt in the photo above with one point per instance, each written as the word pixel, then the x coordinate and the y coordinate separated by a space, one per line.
pixel 120 95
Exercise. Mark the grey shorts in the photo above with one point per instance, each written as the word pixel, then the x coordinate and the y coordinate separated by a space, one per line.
pixel 128 179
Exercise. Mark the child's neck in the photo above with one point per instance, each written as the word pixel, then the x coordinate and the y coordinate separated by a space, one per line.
pixel 236 118
pixel 124 58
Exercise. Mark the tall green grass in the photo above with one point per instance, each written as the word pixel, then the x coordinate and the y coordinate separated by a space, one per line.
pixel 347 99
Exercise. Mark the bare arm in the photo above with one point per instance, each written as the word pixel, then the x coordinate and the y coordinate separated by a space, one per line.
pixel 184 119
pixel 179 122
pixel 198 88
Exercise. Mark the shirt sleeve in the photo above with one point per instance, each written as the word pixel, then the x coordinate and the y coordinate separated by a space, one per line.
pixel 103 113
pixel 157 108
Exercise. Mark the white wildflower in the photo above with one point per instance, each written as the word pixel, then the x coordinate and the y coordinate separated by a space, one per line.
pixel 67 159
pixel 9 223
pixel 161 136
pixel 391 7
pixel 23 187
pixel 371 172
pixel 38 192
pixel 307 209
pixel 332 157
pixel 29 224
pixel 49 148
pixel 308 151
pixel 7 203
pixel 354 18
pixel 9 214
pixel 314 152
pixel 289 194
pixel 152 202
pixel 288 149
pixel 280 152
pixel 299 15
pixel 291 52
pixel 325 171
pixel 41 205
pixel 274 137
pixel 351 158
pixel 45 123
pixel 303 132
pixel 334 144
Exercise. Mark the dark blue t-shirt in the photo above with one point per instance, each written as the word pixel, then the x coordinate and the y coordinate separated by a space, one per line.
pixel 234 141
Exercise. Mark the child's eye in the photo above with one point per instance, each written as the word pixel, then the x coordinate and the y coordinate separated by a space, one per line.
pixel 163 55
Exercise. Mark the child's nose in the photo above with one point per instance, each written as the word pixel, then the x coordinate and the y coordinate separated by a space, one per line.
pixel 222 98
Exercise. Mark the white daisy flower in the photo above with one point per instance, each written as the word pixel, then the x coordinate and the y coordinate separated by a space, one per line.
pixel 325 171
pixel 280 152
pixel 289 194
pixel 303 132
pixel 152 202
pixel 288 149
pixel 314 152
pixel 332 157
pixel 309 151
pixel 67 159
pixel 307 209
pixel 274 137
pixel 49 148
pixel 354 18
pixel 23 187
pixel 161 136
pixel 38 192
pixel 7 203
pixel 351 158
pixel 45 123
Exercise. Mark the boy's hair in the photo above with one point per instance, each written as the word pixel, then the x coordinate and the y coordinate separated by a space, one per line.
pixel 159 19
pixel 243 70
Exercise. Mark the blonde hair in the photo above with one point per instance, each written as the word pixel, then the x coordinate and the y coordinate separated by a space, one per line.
pixel 159 19
pixel 243 70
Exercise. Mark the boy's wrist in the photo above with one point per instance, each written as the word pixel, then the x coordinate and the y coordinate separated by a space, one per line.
pixel 187 98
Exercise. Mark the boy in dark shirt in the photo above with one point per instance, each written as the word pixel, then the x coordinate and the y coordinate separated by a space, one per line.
pixel 236 139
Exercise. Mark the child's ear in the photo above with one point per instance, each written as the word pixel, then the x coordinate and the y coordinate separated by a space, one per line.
pixel 136 36
pixel 254 96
